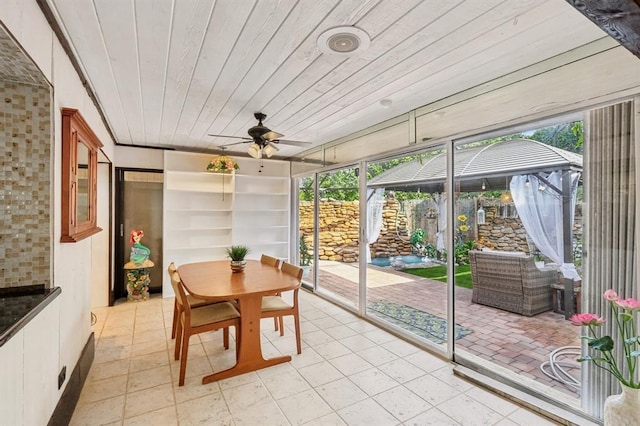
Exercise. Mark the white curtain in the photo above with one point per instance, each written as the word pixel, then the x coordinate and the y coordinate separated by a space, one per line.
pixel 540 209
pixel 375 205
pixel 441 235
pixel 610 236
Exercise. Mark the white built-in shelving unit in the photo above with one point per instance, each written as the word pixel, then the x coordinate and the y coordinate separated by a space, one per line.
pixel 261 214
pixel 204 212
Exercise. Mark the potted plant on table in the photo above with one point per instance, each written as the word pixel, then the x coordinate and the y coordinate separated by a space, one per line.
pixel 237 255
pixel 305 256
pixel 623 409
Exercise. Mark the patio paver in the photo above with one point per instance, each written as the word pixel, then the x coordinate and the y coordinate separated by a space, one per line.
pixel 515 342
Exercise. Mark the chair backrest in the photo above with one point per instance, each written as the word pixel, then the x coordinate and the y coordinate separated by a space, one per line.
pixel 293 270
pixel 178 289
pixel 269 260
pixel 172 268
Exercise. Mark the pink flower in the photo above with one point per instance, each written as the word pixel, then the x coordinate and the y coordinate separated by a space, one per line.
pixel 630 303
pixel 604 345
pixel 610 295
pixel 586 319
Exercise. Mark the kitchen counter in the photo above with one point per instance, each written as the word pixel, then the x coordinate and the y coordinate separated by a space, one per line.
pixel 19 305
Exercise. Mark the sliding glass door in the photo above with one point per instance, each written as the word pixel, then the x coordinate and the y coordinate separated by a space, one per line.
pixel 518 234
pixel 307 228
pixel 406 280
pixel 338 235
pixel 494 230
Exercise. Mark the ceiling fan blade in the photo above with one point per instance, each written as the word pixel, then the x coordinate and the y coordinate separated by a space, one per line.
pixel 271 135
pixel 233 137
pixel 234 143
pixel 289 142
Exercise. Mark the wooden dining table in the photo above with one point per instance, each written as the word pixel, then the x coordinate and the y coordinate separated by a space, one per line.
pixel 214 281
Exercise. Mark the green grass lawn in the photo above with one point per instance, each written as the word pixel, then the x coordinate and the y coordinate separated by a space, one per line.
pixel 439 273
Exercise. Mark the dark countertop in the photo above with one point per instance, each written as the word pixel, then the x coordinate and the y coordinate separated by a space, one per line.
pixel 19 305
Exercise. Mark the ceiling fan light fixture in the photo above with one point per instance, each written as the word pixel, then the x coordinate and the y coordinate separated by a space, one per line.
pixel 254 150
pixel 270 149
pixel 344 41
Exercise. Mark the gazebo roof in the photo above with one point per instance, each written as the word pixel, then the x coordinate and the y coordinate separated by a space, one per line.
pixel 491 165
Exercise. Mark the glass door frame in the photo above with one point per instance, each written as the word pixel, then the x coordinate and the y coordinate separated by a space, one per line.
pixel 361 309
pixel 295 234
pixel 294 254
pixel 447 145
pixel 496 130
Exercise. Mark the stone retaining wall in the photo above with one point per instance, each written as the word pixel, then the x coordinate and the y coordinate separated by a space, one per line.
pixel 502 233
pixel 394 238
pixel 339 233
pixel 339 228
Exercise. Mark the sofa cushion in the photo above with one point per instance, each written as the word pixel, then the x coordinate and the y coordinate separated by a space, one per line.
pixel 504 253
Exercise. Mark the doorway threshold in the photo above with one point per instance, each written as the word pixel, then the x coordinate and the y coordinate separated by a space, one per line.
pixel 561 415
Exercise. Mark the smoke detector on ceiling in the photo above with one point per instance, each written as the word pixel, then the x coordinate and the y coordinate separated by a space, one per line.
pixel 343 41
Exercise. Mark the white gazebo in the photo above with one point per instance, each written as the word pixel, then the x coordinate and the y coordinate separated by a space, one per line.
pixel 542 179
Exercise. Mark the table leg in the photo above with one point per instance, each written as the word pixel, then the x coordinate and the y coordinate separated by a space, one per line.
pixel 250 352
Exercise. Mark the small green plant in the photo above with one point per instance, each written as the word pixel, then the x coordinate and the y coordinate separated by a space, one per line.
pixel 462 252
pixel 430 251
pixel 237 253
pixel 538 257
pixel 417 242
pixel 305 256
pixel 417 236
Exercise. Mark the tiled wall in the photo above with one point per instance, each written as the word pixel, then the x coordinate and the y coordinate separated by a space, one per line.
pixel 15 65
pixel 25 184
pixel 25 169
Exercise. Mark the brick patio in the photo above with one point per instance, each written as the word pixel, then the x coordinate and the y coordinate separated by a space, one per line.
pixel 515 342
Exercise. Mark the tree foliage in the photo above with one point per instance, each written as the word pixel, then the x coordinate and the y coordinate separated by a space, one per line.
pixel 567 136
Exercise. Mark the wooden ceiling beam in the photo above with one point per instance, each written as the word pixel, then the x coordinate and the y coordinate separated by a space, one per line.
pixel 618 18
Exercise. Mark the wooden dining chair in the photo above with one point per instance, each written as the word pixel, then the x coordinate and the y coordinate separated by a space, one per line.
pixel 200 320
pixel 194 302
pixel 275 262
pixel 270 260
pixel 276 307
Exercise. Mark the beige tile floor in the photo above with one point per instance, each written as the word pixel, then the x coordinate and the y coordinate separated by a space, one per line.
pixel 349 373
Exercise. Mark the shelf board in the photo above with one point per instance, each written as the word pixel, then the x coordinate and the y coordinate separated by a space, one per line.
pixel 198 210
pixel 191 173
pixel 262 227
pixel 219 246
pixel 213 228
pixel 261 193
pixel 259 210
pixel 268 243
pixel 200 191
pixel 261 177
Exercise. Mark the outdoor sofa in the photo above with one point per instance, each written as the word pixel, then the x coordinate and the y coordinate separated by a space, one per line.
pixel 511 281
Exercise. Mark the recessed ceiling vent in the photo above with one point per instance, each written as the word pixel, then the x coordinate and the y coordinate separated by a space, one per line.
pixel 343 41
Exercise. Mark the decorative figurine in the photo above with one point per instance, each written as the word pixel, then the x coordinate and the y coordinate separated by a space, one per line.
pixel 137 268
pixel 139 253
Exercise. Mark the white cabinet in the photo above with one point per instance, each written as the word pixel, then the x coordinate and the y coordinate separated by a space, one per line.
pixel 204 213
pixel 29 366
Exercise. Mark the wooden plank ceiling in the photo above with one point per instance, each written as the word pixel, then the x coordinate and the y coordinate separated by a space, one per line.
pixel 167 73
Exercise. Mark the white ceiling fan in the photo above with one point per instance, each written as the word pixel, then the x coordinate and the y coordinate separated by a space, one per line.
pixel 263 140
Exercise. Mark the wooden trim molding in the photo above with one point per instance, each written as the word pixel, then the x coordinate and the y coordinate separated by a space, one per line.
pixel 79 177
